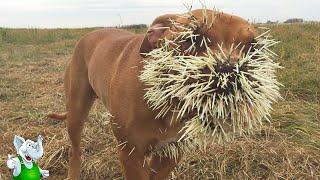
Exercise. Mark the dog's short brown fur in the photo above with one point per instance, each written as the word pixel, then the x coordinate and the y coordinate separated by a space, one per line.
pixel 106 65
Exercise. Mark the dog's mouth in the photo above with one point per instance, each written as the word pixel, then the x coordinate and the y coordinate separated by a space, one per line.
pixel 28 158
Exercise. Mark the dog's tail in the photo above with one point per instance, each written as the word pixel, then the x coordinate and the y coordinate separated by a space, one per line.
pixel 61 116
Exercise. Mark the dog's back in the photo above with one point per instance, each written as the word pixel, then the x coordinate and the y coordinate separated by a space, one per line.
pixel 111 39
pixel 111 57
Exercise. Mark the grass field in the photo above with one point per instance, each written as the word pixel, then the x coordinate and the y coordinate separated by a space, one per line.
pixel 32 64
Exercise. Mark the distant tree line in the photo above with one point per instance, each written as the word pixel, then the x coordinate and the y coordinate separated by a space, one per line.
pixel 133 26
pixel 288 21
pixel 294 20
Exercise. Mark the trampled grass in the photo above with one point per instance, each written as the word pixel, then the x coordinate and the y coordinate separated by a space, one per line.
pixel 32 63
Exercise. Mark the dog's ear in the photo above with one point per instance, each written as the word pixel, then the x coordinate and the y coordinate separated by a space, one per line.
pixel 156 32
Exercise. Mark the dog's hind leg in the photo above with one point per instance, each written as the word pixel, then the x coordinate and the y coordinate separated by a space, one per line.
pixel 80 97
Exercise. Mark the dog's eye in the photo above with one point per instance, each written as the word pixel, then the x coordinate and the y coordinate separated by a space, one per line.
pixel 251 46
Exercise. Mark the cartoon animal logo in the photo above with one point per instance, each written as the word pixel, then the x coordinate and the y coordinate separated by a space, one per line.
pixel 24 166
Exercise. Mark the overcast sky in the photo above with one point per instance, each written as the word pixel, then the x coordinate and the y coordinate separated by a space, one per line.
pixel 89 13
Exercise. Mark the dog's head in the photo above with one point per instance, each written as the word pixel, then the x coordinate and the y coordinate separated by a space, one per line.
pixel 216 30
pixel 212 68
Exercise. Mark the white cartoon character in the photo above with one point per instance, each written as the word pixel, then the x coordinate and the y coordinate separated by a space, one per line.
pixel 24 166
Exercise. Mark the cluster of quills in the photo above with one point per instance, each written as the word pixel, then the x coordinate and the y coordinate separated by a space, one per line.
pixel 225 100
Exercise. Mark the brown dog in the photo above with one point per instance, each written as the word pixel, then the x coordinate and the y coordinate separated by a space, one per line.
pixel 106 64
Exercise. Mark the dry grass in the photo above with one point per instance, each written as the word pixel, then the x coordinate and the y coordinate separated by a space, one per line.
pixel 31 84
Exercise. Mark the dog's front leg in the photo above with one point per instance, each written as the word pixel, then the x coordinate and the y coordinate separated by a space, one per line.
pixel 133 164
pixel 161 167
